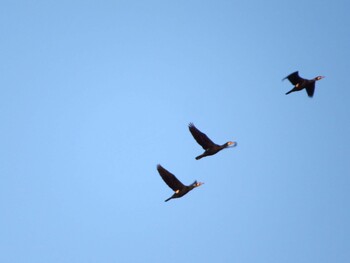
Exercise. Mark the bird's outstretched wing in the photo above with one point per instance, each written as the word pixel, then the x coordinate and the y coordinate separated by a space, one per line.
pixel 294 78
pixel 200 137
pixel 169 178
pixel 310 89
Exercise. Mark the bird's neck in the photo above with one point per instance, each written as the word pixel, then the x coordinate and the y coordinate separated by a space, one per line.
pixel 225 145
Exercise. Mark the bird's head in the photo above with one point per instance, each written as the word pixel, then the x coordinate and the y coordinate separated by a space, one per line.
pixel 319 77
pixel 196 184
pixel 231 144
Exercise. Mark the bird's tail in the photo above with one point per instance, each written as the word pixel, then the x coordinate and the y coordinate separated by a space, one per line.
pixel 199 157
pixel 168 199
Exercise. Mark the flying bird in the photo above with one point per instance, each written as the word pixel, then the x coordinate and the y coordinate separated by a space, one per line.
pixel 208 145
pixel 300 83
pixel 174 183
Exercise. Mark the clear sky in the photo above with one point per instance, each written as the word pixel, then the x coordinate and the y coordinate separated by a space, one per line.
pixel 94 94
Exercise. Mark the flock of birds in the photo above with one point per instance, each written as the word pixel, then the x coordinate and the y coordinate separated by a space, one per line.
pixel 211 148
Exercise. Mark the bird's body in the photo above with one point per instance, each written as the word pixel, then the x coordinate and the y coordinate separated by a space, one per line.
pixel 301 83
pixel 212 150
pixel 208 145
pixel 174 183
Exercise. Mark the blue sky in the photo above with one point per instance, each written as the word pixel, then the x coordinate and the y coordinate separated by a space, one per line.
pixel 94 94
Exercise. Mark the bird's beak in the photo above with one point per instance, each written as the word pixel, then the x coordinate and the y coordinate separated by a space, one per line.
pixel 234 144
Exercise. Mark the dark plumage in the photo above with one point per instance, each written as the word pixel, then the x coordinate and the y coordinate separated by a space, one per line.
pixel 208 145
pixel 179 188
pixel 300 83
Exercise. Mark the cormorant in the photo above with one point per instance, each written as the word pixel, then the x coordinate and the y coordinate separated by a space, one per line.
pixel 179 188
pixel 208 145
pixel 300 83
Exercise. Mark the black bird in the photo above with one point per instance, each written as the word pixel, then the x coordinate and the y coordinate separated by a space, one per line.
pixel 208 145
pixel 174 183
pixel 300 83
